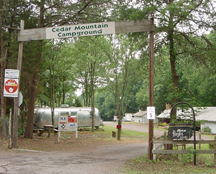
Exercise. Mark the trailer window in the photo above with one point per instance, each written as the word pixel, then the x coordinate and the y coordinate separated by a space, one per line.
pixel 73 113
pixel 64 113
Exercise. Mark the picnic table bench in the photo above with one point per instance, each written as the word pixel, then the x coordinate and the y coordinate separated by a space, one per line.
pixel 48 129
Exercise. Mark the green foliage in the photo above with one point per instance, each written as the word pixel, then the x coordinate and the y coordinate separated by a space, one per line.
pixel 211 146
pixel 188 157
pixel 206 130
pixel 21 125
pixel 1 122
pixel 209 163
pixel 65 64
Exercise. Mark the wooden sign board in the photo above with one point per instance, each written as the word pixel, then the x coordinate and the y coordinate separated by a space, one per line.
pixel 180 132
pixel 101 28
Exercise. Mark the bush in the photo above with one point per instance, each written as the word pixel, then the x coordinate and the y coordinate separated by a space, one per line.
pixel 206 130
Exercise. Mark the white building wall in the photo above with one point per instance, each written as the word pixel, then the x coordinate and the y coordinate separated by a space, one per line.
pixel 128 117
pixel 211 125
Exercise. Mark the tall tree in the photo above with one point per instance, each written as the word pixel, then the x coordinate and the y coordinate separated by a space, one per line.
pixel 127 67
pixel 2 65
pixel 56 13
pixel 176 21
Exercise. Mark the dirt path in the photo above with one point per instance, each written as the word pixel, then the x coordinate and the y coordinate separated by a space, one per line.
pixel 70 156
pixel 85 155
pixel 106 159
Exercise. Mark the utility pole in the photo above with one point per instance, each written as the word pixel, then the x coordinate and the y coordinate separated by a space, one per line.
pixel 16 99
pixel 151 88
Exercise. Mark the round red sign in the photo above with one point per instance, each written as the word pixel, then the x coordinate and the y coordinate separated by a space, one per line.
pixel 11 86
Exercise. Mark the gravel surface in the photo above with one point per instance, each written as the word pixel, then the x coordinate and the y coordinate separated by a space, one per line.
pixel 78 156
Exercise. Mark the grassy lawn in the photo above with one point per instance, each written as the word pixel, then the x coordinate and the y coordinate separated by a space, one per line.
pixel 168 164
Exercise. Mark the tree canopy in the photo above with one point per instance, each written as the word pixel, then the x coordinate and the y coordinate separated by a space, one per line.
pixel 111 71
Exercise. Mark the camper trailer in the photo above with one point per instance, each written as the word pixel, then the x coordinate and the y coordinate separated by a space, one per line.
pixel 43 116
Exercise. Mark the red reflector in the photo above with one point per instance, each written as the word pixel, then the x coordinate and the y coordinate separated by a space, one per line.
pixel 118 127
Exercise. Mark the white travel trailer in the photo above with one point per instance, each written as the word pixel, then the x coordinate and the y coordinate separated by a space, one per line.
pixel 43 116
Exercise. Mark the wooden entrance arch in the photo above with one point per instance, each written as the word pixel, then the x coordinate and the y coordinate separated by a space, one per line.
pixel 101 28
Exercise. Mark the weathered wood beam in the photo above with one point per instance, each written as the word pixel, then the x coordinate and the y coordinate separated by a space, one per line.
pixel 184 142
pixel 120 27
pixel 183 151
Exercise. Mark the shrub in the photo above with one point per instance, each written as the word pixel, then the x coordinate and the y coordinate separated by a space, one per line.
pixel 206 130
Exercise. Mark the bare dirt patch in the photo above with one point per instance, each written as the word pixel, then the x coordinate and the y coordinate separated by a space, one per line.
pixel 90 153
pixel 86 141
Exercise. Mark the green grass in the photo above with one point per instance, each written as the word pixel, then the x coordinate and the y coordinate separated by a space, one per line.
pixel 125 133
pixel 169 165
pixel 166 164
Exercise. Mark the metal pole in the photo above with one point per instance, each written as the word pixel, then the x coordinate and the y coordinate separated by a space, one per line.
pixel 194 135
pixel 16 100
pixel 151 87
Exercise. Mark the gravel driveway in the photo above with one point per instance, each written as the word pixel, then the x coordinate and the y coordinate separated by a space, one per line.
pixel 107 159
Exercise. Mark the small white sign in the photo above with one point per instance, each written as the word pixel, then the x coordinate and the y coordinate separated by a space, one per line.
pixel 63 123
pixel 151 113
pixel 68 123
pixel 12 73
pixel 80 30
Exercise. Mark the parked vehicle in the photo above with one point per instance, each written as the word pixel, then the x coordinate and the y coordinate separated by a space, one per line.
pixel 43 116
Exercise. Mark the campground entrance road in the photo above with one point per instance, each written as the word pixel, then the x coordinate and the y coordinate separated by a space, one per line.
pixel 109 158
pixel 103 160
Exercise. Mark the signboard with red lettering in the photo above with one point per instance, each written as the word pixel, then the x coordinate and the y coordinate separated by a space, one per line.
pixel 72 123
pixel 63 123
pixel 68 123
pixel 10 87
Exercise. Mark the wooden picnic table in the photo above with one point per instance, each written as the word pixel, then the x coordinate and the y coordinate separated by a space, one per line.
pixel 47 128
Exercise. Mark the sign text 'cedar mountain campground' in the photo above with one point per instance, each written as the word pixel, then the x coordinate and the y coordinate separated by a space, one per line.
pixel 80 30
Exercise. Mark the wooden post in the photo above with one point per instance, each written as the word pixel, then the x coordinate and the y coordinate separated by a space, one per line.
pixel 16 99
pixel 200 139
pixel 215 149
pixel 151 87
pixel 9 144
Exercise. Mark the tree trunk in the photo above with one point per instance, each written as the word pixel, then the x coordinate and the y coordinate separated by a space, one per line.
pixel 52 94
pixel 30 117
pixel 33 87
pixel 92 94
pixel 172 53
pixel 2 99
pixel 173 56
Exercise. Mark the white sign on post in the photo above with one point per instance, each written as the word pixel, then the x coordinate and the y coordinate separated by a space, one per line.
pixel 151 113
pixel 80 30
pixel 12 73
pixel 63 123
pixel 11 83
pixel 68 123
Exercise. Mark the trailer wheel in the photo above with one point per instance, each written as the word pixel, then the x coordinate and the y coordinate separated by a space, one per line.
pixel 97 127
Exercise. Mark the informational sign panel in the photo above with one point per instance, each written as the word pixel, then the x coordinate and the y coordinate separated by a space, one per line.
pixel 63 123
pixel 12 73
pixel 180 132
pixel 151 113
pixel 11 83
pixel 80 30
pixel 68 123
pixel 10 87
pixel 72 123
